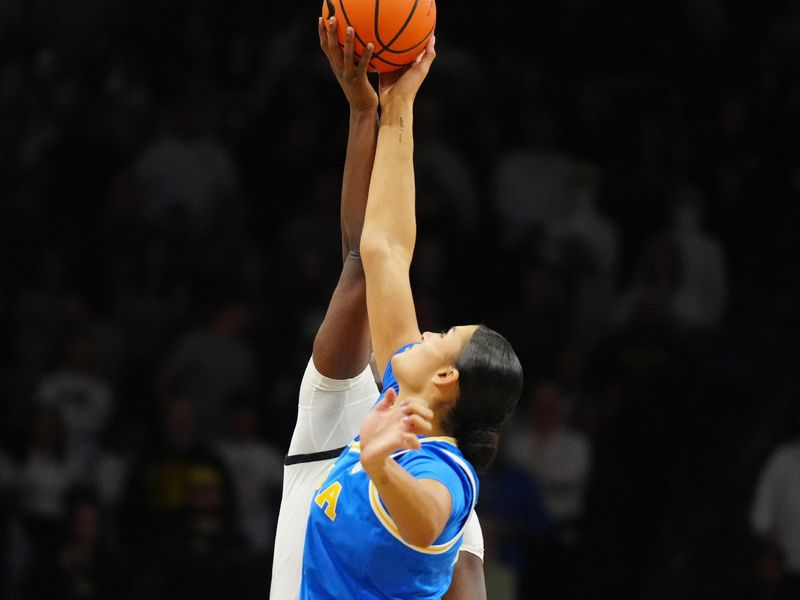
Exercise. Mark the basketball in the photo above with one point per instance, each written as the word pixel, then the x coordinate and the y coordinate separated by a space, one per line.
pixel 398 29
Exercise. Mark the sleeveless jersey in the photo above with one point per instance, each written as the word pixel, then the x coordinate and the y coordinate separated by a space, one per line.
pixel 353 548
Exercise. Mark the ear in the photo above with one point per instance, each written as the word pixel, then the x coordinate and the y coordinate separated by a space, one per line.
pixel 446 379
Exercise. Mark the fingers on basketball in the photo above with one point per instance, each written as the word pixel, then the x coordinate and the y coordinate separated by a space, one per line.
pixel 399 29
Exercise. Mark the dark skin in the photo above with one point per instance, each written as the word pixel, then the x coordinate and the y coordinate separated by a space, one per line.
pixel 468 582
pixel 342 346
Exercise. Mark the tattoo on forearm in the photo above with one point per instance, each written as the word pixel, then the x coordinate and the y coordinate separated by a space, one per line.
pixel 402 128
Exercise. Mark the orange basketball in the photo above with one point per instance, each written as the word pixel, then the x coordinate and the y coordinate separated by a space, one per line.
pixel 398 29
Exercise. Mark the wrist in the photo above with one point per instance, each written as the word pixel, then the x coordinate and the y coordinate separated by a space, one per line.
pixel 396 108
pixel 363 113
pixel 374 466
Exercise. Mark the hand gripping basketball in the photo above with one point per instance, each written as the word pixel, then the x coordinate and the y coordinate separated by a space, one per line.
pixel 352 76
pixel 397 29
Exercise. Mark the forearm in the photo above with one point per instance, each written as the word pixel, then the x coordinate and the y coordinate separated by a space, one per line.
pixel 390 216
pixel 419 508
pixel 361 143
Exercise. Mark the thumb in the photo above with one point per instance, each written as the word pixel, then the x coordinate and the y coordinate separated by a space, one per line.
pixel 428 55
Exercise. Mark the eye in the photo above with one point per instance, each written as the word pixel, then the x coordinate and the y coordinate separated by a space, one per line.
pixel 442 334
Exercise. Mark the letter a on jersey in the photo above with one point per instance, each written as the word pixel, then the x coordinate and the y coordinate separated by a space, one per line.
pixel 329 496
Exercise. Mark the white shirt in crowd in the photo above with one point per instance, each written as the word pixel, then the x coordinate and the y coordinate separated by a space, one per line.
pixel 257 469
pixel 776 510
pixel 560 463
pixel 85 403
pixel 44 483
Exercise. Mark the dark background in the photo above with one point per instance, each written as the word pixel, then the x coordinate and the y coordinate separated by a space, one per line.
pixel 169 180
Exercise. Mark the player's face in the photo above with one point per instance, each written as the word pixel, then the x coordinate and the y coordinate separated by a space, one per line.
pixel 436 351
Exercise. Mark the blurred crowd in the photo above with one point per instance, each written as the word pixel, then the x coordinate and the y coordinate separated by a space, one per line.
pixel 610 185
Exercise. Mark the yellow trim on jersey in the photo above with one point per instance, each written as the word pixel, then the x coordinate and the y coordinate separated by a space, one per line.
pixel 388 523
pixel 356 446
pixel 440 438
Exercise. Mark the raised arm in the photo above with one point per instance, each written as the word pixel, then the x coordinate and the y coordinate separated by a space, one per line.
pixel 342 344
pixel 387 241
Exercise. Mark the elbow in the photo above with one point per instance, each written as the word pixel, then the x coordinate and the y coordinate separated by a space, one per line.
pixel 376 251
pixel 372 248
pixel 423 534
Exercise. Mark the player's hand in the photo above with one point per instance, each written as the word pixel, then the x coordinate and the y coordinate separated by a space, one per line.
pixel 351 75
pixel 391 426
pixel 404 84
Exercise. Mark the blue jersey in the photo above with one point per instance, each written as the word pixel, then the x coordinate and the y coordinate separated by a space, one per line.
pixel 353 548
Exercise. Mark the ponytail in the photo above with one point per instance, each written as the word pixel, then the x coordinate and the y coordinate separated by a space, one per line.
pixel 490 384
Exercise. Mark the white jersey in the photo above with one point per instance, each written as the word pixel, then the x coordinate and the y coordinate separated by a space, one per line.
pixel 329 415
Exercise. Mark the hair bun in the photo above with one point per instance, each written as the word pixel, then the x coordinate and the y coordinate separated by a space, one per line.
pixel 478 442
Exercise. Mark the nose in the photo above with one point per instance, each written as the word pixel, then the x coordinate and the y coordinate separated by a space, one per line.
pixel 425 335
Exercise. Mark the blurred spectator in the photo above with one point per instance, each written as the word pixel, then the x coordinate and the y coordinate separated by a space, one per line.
pixel 187 170
pixel 84 567
pixel 46 475
pixel 557 456
pixel 157 498
pixel 775 518
pixel 83 398
pixel 658 278
pixel 585 248
pixel 581 219
pixel 206 558
pixel 684 267
pixel 516 525
pixel 701 299
pixel 538 321
pixel 211 364
pixel 257 472
pixel 531 183
pixel 123 445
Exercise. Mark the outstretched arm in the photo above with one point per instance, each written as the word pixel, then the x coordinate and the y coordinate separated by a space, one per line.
pixel 389 235
pixel 342 344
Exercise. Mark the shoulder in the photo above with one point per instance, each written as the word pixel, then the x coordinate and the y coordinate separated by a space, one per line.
pixel 440 459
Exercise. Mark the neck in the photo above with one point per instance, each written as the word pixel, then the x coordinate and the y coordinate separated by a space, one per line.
pixel 440 411
pixel 437 429
pixel 439 414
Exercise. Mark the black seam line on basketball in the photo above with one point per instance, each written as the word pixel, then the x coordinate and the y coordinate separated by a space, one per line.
pixel 399 33
pixel 349 24
pixel 390 63
pixel 331 9
pixel 424 40
pixel 357 56
pixel 297 459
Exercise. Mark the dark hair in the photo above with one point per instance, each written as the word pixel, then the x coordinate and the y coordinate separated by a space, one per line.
pixel 490 384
